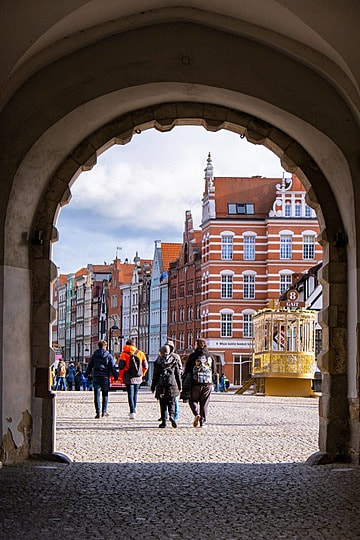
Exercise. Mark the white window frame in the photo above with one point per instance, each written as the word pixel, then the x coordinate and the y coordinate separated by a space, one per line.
pixel 226 323
pixel 227 245
pixel 226 285
pixel 249 246
pixel 285 280
pixel 247 323
pixel 286 239
pixel 249 285
pixel 309 246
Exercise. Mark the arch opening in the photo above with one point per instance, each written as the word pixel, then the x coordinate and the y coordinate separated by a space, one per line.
pixel 333 435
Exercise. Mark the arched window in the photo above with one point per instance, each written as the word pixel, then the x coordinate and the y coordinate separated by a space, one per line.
pixel 249 284
pixel 286 244
pixel 309 245
pixel 226 325
pixel 247 323
pixel 285 280
pixel 227 283
pixel 249 245
pixel 227 245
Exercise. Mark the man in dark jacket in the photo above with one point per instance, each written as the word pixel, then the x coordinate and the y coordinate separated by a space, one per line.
pixel 201 367
pixel 178 359
pixel 102 365
pixel 166 383
pixel 70 376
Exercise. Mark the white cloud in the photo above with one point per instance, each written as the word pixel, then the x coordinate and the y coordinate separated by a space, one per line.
pixel 139 192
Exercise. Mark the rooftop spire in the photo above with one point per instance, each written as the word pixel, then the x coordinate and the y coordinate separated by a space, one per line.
pixel 209 169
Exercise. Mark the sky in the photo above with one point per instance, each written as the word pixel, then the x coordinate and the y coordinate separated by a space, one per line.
pixel 139 192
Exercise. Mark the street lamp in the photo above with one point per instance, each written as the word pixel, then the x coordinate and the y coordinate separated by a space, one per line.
pixel 111 330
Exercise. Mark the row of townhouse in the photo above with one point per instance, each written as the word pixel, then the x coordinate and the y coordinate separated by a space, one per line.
pixel 257 236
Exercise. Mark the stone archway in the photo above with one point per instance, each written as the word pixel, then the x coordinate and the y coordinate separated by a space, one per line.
pixel 334 411
pixel 87 94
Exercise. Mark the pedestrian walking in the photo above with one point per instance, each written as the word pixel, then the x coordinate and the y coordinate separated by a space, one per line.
pixel 171 344
pixel 101 366
pixel 134 363
pixel 70 376
pixel 78 378
pixel 201 366
pixel 89 383
pixel 61 373
pixel 166 384
pixel 216 381
pixel 84 381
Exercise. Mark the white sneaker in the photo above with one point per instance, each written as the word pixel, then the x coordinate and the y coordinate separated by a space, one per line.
pixel 132 416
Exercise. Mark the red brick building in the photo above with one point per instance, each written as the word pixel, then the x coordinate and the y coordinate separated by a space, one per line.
pixel 184 282
pixel 257 234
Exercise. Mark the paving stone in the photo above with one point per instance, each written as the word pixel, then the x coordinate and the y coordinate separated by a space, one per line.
pixel 244 477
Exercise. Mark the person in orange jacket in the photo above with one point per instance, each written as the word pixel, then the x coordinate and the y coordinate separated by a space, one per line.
pixel 129 357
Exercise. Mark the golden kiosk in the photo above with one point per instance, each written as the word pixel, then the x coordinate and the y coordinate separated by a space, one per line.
pixel 283 361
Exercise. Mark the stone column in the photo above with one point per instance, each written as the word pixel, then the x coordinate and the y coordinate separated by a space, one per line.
pixel 334 406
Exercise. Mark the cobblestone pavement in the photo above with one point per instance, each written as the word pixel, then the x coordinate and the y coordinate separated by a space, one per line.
pixel 243 477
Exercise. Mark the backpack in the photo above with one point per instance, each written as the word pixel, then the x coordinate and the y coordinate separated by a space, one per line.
pixel 202 370
pixel 135 366
pixel 167 377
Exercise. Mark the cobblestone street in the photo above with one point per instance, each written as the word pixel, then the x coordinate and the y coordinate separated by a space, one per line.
pixel 241 429
pixel 243 477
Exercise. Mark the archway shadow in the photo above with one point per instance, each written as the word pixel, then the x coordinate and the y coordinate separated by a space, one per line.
pixel 201 500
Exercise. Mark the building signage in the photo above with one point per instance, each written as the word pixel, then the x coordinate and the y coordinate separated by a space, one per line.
pixel 292 301
pixel 229 343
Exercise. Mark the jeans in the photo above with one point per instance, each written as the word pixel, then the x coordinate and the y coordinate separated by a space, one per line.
pixel 101 383
pixel 60 382
pixel 177 410
pixel 167 408
pixel 132 392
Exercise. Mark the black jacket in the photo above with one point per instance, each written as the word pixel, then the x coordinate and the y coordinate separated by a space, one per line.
pixel 102 364
pixel 163 363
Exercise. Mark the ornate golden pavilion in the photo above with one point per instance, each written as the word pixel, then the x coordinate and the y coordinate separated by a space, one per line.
pixel 284 351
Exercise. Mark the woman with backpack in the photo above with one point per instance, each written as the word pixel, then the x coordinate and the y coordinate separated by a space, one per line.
pixel 166 383
pixel 134 364
pixel 201 367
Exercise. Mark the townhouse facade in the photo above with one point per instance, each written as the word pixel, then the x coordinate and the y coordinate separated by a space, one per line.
pixel 258 234
pixel 185 291
pixel 164 254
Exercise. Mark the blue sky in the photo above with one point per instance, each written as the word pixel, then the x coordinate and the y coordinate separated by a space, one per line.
pixel 138 193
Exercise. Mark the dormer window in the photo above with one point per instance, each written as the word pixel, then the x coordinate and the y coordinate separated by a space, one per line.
pixel 241 208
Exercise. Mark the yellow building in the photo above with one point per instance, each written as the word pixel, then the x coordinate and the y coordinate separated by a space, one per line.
pixel 284 352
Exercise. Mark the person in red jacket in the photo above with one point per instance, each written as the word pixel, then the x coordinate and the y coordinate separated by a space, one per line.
pixel 132 382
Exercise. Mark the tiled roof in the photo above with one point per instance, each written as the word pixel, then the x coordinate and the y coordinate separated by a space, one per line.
pixel 81 272
pixel 257 190
pixel 62 279
pixel 102 268
pixel 170 252
pixel 125 273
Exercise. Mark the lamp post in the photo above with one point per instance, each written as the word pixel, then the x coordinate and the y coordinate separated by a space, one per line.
pixel 111 330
